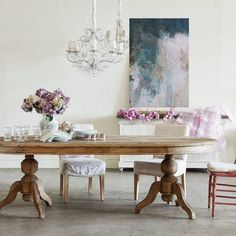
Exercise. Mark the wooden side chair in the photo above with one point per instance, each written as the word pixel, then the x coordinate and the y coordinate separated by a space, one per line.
pixel 220 169
pixel 81 166
pixel 153 167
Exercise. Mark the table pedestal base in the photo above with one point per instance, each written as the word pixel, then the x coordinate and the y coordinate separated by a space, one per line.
pixel 168 187
pixel 30 187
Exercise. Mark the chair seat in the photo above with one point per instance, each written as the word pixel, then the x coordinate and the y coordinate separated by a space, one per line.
pixel 82 166
pixel 153 167
pixel 220 167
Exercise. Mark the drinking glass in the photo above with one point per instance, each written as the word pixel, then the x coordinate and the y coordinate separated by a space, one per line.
pixel 36 132
pixel 21 134
pixel 7 134
pixel 27 131
pixel 16 133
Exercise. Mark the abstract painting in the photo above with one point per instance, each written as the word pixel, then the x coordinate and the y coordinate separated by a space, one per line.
pixel 159 62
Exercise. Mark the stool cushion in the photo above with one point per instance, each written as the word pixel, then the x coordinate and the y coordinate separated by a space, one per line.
pixel 82 166
pixel 220 167
pixel 153 167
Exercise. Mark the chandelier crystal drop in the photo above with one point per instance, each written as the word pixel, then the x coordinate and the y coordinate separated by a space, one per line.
pixel 95 51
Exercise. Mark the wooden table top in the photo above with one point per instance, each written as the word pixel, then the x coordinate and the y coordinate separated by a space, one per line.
pixel 112 145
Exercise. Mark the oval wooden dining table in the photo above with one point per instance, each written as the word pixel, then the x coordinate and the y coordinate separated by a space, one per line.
pixel 32 188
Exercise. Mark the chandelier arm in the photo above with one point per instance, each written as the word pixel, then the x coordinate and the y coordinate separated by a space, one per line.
pixel 71 54
pixel 109 61
pixel 99 34
pixel 88 35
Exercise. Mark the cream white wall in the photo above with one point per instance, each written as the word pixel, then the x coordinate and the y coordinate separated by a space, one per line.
pixel 34 36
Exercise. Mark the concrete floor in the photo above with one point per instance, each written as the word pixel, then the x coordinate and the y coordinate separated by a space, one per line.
pixel 86 215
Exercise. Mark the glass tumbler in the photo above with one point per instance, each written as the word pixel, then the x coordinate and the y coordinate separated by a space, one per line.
pixel 27 131
pixel 16 133
pixel 36 132
pixel 7 134
pixel 21 133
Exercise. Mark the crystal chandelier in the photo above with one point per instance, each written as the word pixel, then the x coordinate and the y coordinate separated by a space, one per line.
pixel 95 51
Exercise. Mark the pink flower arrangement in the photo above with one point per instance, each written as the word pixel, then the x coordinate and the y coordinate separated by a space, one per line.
pixel 45 102
pixel 133 114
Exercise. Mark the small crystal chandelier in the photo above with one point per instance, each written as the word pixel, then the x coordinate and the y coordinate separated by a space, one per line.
pixel 95 50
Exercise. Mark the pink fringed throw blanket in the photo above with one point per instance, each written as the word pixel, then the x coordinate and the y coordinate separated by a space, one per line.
pixel 206 123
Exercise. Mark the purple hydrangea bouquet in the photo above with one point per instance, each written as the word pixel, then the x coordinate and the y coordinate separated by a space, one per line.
pixel 48 104
pixel 145 115
pixel 45 102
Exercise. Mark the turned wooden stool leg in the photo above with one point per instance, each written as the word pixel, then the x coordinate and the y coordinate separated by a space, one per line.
pixel 65 188
pixel 136 186
pixel 90 184
pixel 209 190
pixel 61 184
pixel 101 183
pixel 213 195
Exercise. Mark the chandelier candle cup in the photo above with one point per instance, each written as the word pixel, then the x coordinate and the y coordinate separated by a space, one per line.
pixel 72 46
pixel 7 134
pixel 94 44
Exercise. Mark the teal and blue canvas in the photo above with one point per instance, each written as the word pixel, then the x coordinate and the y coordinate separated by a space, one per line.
pixel 159 62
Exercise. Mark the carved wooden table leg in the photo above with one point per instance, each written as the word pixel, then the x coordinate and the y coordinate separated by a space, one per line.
pixel 30 186
pixel 168 187
pixel 43 194
pixel 179 191
pixel 15 188
pixel 37 201
pixel 150 198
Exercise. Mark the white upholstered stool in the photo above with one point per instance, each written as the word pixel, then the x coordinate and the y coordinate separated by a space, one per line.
pixel 81 166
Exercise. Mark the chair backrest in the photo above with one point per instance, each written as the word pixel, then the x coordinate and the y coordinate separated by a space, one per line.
pixel 173 130
pixel 80 127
